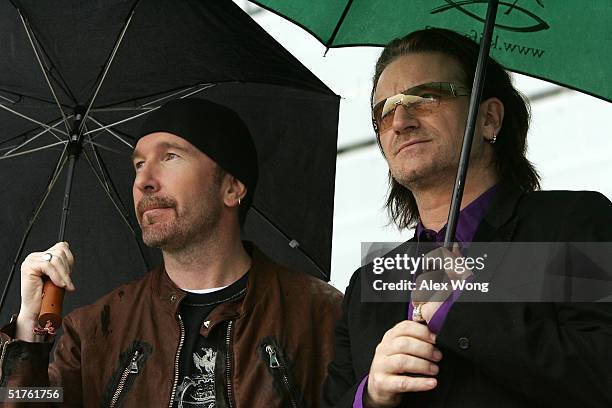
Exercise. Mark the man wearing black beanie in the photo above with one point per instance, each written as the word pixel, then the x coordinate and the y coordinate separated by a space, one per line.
pixel 218 324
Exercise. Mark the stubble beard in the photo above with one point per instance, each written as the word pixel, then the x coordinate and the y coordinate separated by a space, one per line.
pixel 182 231
pixel 440 168
pixel 186 229
pixel 425 171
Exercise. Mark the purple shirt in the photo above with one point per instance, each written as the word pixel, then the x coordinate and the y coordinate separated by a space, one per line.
pixel 469 220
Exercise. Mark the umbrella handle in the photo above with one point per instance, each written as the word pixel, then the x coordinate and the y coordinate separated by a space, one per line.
pixel 51 308
pixel 50 317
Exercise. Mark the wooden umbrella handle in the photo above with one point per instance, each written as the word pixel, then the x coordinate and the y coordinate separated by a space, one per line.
pixel 51 308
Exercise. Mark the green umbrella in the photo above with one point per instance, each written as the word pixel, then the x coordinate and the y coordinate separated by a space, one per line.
pixel 566 42
pixel 561 42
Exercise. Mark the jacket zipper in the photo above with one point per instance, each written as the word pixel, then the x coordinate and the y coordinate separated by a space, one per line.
pixel 4 347
pixel 176 360
pixel 276 365
pixel 228 370
pixel 132 368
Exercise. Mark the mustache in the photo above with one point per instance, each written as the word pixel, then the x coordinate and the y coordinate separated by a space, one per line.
pixel 407 136
pixel 400 141
pixel 150 202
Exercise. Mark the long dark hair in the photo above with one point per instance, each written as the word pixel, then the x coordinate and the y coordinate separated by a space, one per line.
pixel 509 151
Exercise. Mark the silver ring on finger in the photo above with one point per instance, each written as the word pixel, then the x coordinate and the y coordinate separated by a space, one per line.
pixel 416 313
pixel 47 256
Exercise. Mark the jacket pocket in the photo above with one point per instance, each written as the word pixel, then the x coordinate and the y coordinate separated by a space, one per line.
pixel 131 363
pixel 279 367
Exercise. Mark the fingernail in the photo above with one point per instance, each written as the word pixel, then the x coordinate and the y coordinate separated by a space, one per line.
pixel 431 383
pixel 433 337
pixel 437 355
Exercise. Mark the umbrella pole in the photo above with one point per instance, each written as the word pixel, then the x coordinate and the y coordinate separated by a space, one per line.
pixel 468 137
pixel 50 317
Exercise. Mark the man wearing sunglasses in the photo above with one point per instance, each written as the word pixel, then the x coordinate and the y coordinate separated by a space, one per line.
pixel 449 353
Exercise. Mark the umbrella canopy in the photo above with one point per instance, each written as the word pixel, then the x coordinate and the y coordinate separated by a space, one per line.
pixel 77 78
pixel 558 41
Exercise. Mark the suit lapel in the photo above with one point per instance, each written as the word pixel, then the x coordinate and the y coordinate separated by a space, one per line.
pixel 500 220
pixel 498 225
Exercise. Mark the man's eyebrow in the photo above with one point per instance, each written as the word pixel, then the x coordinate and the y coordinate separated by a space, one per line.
pixel 134 155
pixel 163 145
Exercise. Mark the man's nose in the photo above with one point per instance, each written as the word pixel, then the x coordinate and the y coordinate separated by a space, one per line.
pixel 403 119
pixel 147 179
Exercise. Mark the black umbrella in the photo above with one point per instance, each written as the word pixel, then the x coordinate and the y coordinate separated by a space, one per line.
pixel 77 78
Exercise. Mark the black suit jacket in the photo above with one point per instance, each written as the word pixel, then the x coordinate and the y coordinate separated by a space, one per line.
pixel 500 354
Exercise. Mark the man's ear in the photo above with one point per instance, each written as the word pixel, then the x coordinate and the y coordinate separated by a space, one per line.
pixel 234 192
pixel 491 117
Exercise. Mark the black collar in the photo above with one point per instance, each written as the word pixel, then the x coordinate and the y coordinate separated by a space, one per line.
pixel 499 221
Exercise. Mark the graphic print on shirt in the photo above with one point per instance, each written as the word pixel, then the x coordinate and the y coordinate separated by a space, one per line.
pixel 199 389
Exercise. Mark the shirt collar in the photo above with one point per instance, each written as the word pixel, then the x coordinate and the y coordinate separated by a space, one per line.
pixel 469 219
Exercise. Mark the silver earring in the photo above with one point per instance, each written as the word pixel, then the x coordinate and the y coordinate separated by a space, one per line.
pixel 238 201
pixel 494 139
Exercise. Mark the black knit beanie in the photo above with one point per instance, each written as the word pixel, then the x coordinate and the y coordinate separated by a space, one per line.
pixel 216 130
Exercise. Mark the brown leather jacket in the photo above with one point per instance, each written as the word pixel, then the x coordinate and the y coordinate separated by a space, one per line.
pixel 277 340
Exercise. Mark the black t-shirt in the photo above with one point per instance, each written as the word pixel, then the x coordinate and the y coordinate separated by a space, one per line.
pixel 197 383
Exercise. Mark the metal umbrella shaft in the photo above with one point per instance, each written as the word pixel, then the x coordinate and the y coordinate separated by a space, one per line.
pixel 468 137
pixel 52 296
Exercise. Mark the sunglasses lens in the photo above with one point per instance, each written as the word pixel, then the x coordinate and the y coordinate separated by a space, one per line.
pixel 421 100
pixel 385 122
pixel 423 107
pixel 376 115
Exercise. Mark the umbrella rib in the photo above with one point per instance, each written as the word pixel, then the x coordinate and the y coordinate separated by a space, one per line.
pixel 8 100
pixel 106 68
pixel 110 149
pixel 107 178
pixel 9 156
pixel 203 87
pixel 8 147
pixel 21 96
pixel 58 169
pixel 27 28
pixel 206 86
pixel 197 91
pixel 93 147
pixel 49 128
pixel 337 27
pixel 119 122
pixel 120 109
pixel 97 122
pixel 291 240
pixel 115 107
pixel 61 81
pixel 24 134
pixel 36 136
pixel 103 180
